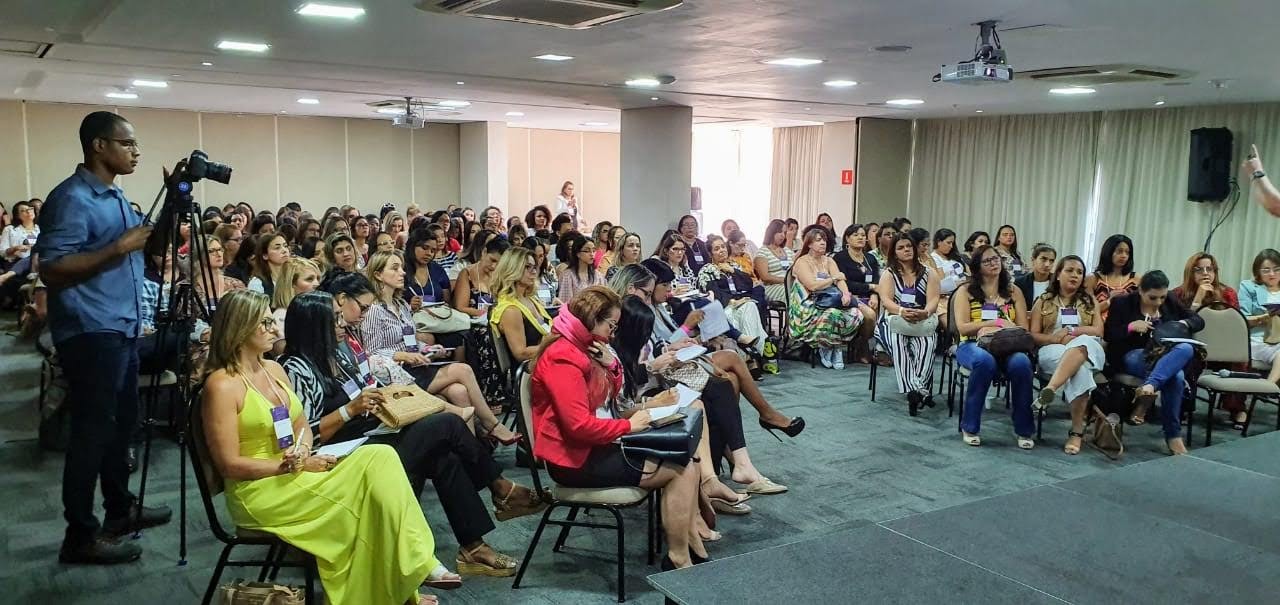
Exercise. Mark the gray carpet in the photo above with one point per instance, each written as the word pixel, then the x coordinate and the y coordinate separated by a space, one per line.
pixel 858 463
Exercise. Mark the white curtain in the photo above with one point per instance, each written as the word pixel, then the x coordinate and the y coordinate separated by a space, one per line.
pixel 797 171
pixel 1142 189
pixel 1033 172
pixel 1074 179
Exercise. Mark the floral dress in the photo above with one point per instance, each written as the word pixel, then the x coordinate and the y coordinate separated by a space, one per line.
pixel 828 328
pixel 482 354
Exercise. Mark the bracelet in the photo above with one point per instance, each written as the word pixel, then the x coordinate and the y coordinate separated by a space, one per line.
pixel 346 416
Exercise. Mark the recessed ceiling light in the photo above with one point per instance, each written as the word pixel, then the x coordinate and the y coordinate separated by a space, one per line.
pixel 317 9
pixel 977 111
pixel 904 102
pixel 643 82
pixel 793 61
pixel 391 111
pixel 459 82
pixel 554 57
pixel 454 103
pixel 151 83
pixel 252 47
pixel 1160 102
pixel 309 101
pixel 1072 90
pixel 122 95
pixel 206 63
pixel 808 109
pixel 594 124
pixel 840 83
pixel 515 114
pixel 653 98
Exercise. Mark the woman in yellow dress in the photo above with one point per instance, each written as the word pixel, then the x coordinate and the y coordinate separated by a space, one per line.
pixel 357 516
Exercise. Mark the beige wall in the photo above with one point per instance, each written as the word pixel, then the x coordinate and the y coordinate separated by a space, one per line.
pixel 317 162
pixel 542 160
pixel 839 152
pixel 884 169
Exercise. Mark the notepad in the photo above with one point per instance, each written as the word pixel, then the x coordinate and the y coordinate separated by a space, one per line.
pixel 341 450
pixel 686 395
pixel 690 352
pixel 381 429
pixel 1190 341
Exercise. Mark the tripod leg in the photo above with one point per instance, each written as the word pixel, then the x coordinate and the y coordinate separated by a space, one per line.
pixel 182 481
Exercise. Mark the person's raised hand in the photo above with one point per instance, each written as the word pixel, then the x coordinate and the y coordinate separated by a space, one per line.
pixel 1251 164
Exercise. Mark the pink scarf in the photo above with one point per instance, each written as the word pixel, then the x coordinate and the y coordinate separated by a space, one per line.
pixel 569 327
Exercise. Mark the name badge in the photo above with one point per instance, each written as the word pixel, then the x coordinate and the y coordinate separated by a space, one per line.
pixel 1017 268
pixel 429 297
pixel 868 278
pixel 906 298
pixel 544 294
pixel 30 240
pixel 697 257
pixel 363 359
pixel 958 269
pixel 284 428
pixel 990 312
pixel 410 339
pixel 1069 318
pixel 732 287
pixel 351 389
pixel 786 263
pixel 823 275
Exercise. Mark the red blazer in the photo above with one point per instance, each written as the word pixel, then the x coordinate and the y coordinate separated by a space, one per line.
pixel 565 427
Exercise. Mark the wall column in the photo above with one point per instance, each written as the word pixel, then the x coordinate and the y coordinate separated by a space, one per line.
pixel 657 150
pixel 482 165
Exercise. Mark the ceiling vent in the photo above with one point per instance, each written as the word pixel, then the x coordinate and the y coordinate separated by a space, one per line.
pixel 24 48
pixel 565 14
pixel 1105 74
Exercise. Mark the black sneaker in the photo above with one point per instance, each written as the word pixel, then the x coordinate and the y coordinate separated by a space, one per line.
pixel 151 516
pixel 101 551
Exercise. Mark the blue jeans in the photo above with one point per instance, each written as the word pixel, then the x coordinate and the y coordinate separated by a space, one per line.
pixel 982 370
pixel 1168 379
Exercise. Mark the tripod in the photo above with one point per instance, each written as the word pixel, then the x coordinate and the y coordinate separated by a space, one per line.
pixel 185 305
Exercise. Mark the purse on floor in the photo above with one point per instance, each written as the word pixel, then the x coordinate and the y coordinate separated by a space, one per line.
pixel 441 319
pixel 405 404
pixel 1007 341
pixel 1108 436
pixel 241 592
pixel 674 443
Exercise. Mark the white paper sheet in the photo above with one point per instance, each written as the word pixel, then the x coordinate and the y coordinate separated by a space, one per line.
pixel 686 394
pixel 714 322
pixel 382 429
pixel 690 352
pixel 656 414
pixel 343 449
pixel 1190 341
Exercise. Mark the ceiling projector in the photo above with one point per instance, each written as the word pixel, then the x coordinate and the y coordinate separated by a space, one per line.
pixel 989 62
pixel 409 121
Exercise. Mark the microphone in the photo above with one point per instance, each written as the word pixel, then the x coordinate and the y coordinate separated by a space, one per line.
pixel 1230 374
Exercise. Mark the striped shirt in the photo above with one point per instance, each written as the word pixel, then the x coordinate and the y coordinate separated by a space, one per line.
pixel 382 329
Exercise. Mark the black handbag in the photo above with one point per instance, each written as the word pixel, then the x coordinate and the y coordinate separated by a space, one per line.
pixel 1007 341
pixel 674 443
pixel 829 297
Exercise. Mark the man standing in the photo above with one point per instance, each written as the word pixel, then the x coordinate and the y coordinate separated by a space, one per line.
pixel 90 258
pixel 1262 190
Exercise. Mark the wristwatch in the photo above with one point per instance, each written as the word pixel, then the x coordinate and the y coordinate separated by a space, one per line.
pixel 1257 174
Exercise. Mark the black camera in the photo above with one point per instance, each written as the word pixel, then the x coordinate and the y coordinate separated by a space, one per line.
pixel 199 166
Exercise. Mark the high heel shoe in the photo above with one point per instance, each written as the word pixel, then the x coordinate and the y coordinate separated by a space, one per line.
pixel 791 430
pixel 512 440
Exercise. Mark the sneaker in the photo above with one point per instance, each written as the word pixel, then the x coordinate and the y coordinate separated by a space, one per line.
pixel 837 359
pixel 101 551
pixel 151 516
pixel 824 355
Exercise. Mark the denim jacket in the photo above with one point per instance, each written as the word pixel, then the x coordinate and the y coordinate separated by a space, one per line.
pixel 1252 296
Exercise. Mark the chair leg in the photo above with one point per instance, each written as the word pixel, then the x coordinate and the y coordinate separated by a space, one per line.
pixel 564 530
pixel 622 559
pixel 874 365
pixel 537 535
pixel 1208 418
pixel 309 575
pixel 217 575
pixel 653 529
pixel 270 558
pixel 1253 403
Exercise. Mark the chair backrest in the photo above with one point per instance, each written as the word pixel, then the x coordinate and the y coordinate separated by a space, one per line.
pixel 951 315
pixel 504 353
pixel 788 280
pixel 524 375
pixel 207 478
pixel 1225 334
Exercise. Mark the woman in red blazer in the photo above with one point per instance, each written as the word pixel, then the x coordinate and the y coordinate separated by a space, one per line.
pixel 574 373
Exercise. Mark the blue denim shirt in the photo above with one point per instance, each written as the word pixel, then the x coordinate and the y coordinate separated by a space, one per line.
pixel 83 214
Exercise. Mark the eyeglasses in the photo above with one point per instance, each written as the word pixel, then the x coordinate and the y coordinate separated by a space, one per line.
pixel 1268 271
pixel 267 323
pixel 363 307
pixel 130 143
pixel 647 293
pixel 215 250
pixel 992 261
pixel 677 248
pixel 613 325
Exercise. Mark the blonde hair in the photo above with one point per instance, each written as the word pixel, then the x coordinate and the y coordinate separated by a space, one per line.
pixel 391 218
pixel 292 270
pixel 239 316
pixel 509 271
pixel 378 262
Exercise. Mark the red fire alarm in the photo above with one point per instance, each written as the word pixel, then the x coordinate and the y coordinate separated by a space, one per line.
pixel 846 177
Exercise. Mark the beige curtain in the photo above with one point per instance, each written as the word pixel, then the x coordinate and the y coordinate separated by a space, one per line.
pixel 1142 187
pixel 1033 172
pixel 797 161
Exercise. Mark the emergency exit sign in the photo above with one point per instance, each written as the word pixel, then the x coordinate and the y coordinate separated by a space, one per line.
pixel 846 177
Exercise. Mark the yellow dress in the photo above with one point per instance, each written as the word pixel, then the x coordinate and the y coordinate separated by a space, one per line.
pixel 360 520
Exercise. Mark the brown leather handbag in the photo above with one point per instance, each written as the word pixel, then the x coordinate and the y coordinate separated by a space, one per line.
pixel 405 404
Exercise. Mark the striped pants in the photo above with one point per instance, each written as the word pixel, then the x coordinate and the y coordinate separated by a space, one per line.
pixel 912 360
